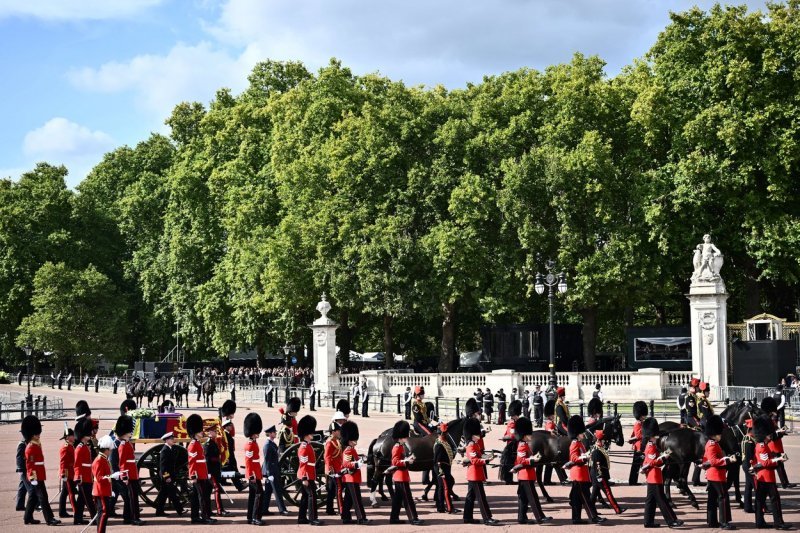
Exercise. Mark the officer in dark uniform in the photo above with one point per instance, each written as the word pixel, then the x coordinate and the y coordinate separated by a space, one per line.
pixel 422 422
pixel 681 403
pixel 562 410
pixel 24 487
pixel 167 468
pixel 213 461
pixel 443 454
pixel 501 407
pixel 52 380
pixel 748 456
pixel 479 398
pixel 69 382
pixel 692 413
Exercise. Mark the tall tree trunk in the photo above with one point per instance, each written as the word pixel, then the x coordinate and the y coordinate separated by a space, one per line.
pixel 344 338
pixel 661 314
pixel 260 351
pixel 629 316
pixel 448 355
pixel 388 340
pixel 589 337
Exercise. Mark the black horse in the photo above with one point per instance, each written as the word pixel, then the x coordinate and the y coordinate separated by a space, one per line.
pixel 379 455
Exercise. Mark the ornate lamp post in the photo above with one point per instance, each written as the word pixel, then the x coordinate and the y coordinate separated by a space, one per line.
pixel 552 282
pixel 287 349
pixel 142 350
pixel 29 398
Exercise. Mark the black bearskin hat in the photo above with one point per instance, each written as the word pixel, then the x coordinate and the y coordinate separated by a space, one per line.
pixel 30 427
pixel 166 407
pixel 194 425
pixel 126 405
pixel 471 427
pixel 124 425
pixel 640 410
pixel 306 426
pixel 550 408
pixel 762 428
pixel 349 432
pixel 595 407
pixel 228 408
pixel 252 424
pixel 523 427
pixel 515 408
pixel 575 426
pixel 649 428
pixel 68 432
pixel 293 405
pixel 471 408
pixel 343 406
pixel 401 430
pixel 82 409
pixel 769 405
pixel 83 428
pixel 714 425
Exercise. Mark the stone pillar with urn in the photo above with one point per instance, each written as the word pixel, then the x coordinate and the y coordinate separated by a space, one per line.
pixel 324 334
pixel 709 315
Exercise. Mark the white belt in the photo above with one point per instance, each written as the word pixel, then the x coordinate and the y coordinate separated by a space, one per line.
pixel 131 461
pixel 87 465
pixel 255 461
pixel 200 461
pixel 39 464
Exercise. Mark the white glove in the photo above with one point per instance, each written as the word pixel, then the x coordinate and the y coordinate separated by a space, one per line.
pixel 358 464
pixel 270 478
pixel 115 475
pixel 34 482
pixel 113 495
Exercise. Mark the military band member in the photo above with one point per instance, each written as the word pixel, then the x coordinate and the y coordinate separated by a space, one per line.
pixel 476 475
pixel 443 454
pixel 655 480
pixel 765 462
pixel 103 477
pixel 252 467
pixel 66 468
pixel 580 496
pixel 307 472
pixel 37 475
pixel 402 489
pixel 716 463
pixel 770 406
pixel 351 465
pixel 333 466
pixel 748 457
pixel 272 474
pixel 129 483
pixel 288 434
pixel 198 473
pixel 83 471
pixel 525 467
pixel 167 469
pixel 600 464
pixel 637 441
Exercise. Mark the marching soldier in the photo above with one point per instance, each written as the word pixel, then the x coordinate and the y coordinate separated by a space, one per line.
pixel 24 488
pixel 307 472
pixel 766 461
pixel 168 468
pixel 443 455
pixel 288 434
pixel 66 467
pixel 748 458
pixel 198 473
pixel 476 475
pixel 213 460
pixel 422 422
pixel 580 495
pixel 37 475
pixel 271 471
pixel 600 473
pixel 333 466
pixel 716 465
pixel 655 480
pixel 129 471
pixel 226 414
pixel 637 441
pixel 83 471
pixel 770 406
pixel 101 489
pixel 562 410
pixel 525 467
pixel 252 467
pixel 351 464
pixel 402 489
pixel 507 460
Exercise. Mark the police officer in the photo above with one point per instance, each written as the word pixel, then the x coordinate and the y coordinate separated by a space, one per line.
pixel 60 378
pixel 526 403
pixel 69 382
pixel 780 401
pixel 364 399
pixel 408 398
pixel 115 383
pixel 312 396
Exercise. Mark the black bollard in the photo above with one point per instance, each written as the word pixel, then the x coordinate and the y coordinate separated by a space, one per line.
pixel 333 399
pixel 652 408
pixel 581 410
pixel 398 404
pixel 616 412
pixel 303 397
pixel 381 403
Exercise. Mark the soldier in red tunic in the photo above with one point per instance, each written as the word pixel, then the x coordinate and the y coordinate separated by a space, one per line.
pixel 252 467
pixel 640 412
pixel 333 466
pixel 83 471
pixel 402 489
pixel 128 469
pixel 655 481
pixel 198 473
pixel 766 461
pixel 716 463
pixel 507 459
pixel 476 475
pixel 307 472
pixel 351 464
pixel 34 468
pixel 66 467
pixel 580 495
pixel 525 467
pixel 101 490
pixel 770 406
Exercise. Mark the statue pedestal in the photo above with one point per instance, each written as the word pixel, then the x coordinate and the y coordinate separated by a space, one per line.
pixel 709 320
pixel 324 340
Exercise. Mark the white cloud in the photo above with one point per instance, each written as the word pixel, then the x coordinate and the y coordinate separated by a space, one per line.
pixel 69 10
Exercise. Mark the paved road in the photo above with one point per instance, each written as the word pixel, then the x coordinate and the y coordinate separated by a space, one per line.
pixel 502 498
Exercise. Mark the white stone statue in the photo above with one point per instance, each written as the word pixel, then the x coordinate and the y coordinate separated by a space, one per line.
pixel 323 308
pixel 707 261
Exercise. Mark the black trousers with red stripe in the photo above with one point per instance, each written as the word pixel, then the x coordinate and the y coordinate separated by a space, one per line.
pixel 217 495
pixel 526 491
pixel 580 498
pixel 67 492
pixel 600 486
pixel 444 490
pixel 104 508
pixel 85 500
pixel 308 502
pixel 352 500
pixel 718 501
pixel 475 492
pixel 656 496
pixel 334 489
pixel 134 489
pixel 402 498
pixel 764 490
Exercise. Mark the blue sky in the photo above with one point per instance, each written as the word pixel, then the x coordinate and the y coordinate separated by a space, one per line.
pixel 82 77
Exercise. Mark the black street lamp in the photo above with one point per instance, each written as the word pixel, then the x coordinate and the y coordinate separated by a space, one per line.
pixel 29 398
pixel 142 350
pixel 553 282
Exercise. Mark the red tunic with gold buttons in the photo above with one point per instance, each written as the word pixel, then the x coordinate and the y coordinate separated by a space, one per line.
pixel 713 455
pixel 333 456
pixel 127 460
pixel 398 460
pixel 34 462
pixel 651 459
pixel 765 457
pixel 510 430
pixel 349 459
pixel 307 468
pixel 580 470
pixel 528 470
pixel 66 461
pixel 101 468
pixel 83 463
pixel 252 460
pixel 549 425
pixel 475 471
pixel 637 434
pixel 198 469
